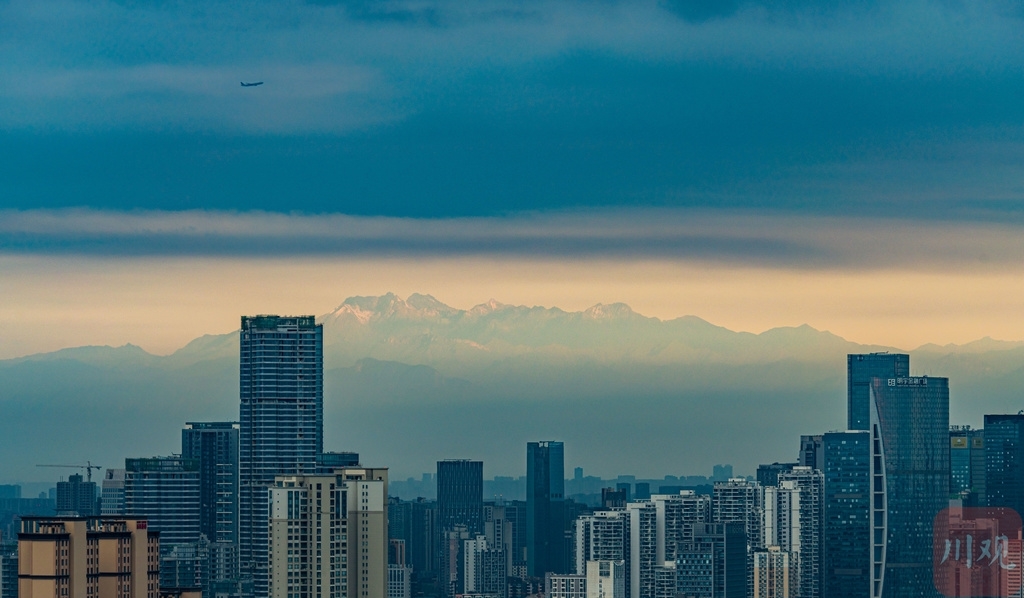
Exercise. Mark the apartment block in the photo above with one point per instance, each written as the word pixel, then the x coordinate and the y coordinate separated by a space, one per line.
pixel 87 557
pixel 328 535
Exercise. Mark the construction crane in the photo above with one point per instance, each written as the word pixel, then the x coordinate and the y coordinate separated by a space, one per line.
pixel 88 467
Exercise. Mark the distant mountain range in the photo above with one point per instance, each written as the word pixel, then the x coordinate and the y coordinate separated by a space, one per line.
pixel 410 381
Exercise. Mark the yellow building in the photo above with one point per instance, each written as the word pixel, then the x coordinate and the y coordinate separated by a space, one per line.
pixel 87 557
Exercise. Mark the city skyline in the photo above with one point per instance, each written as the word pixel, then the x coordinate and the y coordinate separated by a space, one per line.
pixel 310 278
pixel 766 533
pixel 375 379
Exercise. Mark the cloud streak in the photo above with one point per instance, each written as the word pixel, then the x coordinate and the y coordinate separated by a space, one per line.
pixel 736 238
pixel 344 65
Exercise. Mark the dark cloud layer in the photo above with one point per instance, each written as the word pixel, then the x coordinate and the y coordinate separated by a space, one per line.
pixel 436 108
pixel 742 238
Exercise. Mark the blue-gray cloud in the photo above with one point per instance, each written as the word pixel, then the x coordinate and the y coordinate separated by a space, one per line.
pixel 438 108
pixel 737 238
pixel 342 65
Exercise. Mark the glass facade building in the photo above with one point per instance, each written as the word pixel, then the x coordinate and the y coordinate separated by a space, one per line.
pixel 164 491
pixel 967 465
pixel 214 445
pixel 460 495
pixel 281 422
pixel 545 508
pixel 1004 461
pixel 910 421
pixel 860 370
pixel 846 555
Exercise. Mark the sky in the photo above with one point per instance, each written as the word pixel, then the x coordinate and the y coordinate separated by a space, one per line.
pixel 855 166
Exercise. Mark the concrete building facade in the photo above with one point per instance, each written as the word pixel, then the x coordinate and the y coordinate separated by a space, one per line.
pixel 328 535
pixel 112 493
pixel 776 573
pixel 606 579
pixel 87 557
pixel 565 585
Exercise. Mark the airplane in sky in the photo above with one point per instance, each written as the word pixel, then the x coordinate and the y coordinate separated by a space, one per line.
pixel 244 84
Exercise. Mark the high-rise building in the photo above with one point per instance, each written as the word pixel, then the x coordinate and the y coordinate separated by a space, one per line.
pixel 565 585
pixel 860 370
pixel 545 503
pixel 714 563
pixel 613 499
pixel 399 581
pixel 678 515
pixel 460 513
pixel 515 513
pixel 399 530
pixel 910 421
pixel 606 579
pixel 643 548
pixel 164 491
pixel 741 500
pixel 768 474
pixel 967 465
pixel 721 473
pixel 776 573
pixel 9 570
pixel 1004 461
pixel 499 529
pixel 423 536
pixel 604 536
pixel 460 495
pixel 643 490
pixel 281 397
pixel 484 568
pixel 396 548
pixel 186 566
pixel 214 446
pixel 112 493
pixel 61 557
pixel 665 581
pixel 77 498
pixel 811 452
pixel 450 574
pixel 846 540
pixel 806 540
pixel 328 535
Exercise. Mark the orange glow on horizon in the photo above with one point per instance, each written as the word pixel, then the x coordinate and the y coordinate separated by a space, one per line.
pixel 161 304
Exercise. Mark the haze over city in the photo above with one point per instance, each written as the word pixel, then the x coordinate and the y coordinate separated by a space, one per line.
pixel 757 268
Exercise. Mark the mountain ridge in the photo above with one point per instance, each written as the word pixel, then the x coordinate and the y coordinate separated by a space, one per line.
pixel 410 381
pixel 488 327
